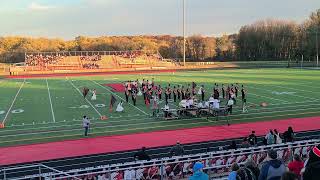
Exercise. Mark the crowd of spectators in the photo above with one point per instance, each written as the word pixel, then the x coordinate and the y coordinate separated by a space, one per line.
pixel 90 66
pixel 91 58
pixel 273 167
pixel 36 60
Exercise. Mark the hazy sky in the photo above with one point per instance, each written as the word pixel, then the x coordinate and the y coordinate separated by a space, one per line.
pixel 70 18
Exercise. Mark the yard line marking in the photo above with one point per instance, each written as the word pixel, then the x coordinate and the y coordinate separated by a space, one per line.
pixel 302 102
pixel 265 96
pixel 238 116
pixel 120 97
pixel 53 117
pixel 143 128
pixel 9 110
pixel 85 98
pixel 287 88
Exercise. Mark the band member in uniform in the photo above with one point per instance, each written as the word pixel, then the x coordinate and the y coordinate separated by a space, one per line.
pixel 223 92
pixel 179 92
pixel 144 91
pixel 187 94
pixel 174 93
pixel 94 95
pixel 134 97
pixel 85 91
pixel 183 93
pixel 159 92
pixel 167 94
pixel 243 93
pixel 126 93
pixel 202 92
pixel 236 89
pixel 169 91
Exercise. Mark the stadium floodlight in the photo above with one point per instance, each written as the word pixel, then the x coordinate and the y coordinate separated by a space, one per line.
pixel 184 31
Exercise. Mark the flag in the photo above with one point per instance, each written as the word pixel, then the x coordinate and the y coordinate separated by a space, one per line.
pixel 112 101
pixel 85 91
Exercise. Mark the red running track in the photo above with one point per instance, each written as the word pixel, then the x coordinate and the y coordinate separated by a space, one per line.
pixel 107 144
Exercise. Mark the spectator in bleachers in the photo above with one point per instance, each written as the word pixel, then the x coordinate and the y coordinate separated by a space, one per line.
pixel 233 173
pixel 252 138
pixel 273 168
pixel 277 137
pixel 270 138
pixel 296 165
pixel 198 173
pixel 289 176
pixel 250 171
pixel 312 168
pixel 177 150
pixel 233 145
pixel 142 155
pixel 288 135
pixel 245 143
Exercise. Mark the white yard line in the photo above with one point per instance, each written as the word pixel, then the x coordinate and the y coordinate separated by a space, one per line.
pixel 14 100
pixel 85 98
pixel 266 96
pixel 120 97
pixel 53 117
pixel 288 88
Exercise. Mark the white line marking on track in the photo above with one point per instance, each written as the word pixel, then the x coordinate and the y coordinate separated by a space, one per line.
pixel 9 110
pixel 85 99
pixel 119 97
pixel 53 117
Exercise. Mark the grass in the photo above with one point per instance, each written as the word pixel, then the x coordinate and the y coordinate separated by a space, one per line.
pixel 51 109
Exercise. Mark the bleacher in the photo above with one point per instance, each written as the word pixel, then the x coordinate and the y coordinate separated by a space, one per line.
pixel 77 60
pixel 217 164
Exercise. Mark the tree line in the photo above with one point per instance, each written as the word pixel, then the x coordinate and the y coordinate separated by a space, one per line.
pixel 263 40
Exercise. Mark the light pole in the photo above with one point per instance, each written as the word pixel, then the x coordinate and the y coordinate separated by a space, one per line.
pixel 184 32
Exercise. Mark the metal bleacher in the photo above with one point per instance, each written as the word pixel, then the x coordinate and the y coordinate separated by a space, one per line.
pixel 217 164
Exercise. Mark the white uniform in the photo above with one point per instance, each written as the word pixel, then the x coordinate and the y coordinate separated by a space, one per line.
pixel 94 96
pixel 119 107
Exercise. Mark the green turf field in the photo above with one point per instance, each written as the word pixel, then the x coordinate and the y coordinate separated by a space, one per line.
pixel 43 110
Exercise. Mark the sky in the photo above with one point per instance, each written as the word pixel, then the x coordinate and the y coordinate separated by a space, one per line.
pixel 70 18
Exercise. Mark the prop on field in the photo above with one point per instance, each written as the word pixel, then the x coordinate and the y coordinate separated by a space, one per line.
pixel 85 91
pixel 112 101
pixel 1 125
pixel 264 104
pixel 103 118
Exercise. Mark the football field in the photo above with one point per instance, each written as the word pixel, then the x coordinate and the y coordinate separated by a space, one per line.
pixel 49 109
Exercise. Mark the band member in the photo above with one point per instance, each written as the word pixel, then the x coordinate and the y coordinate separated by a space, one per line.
pixel 193 91
pixel 244 106
pixel 169 91
pixel 86 125
pixel 94 95
pixel 187 94
pixel 120 107
pixel 85 91
pixel 236 90
pixel 174 93
pixel 179 92
pixel 152 82
pixel 134 97
pixel 243 93
pixel 155 105
pixel 144 91
pixel 183 93
pixel 126 93
pixel 159 92
pixel 223 92
pixel 216 93
pixel 167 94
pixel 229 105
pixel 202 92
